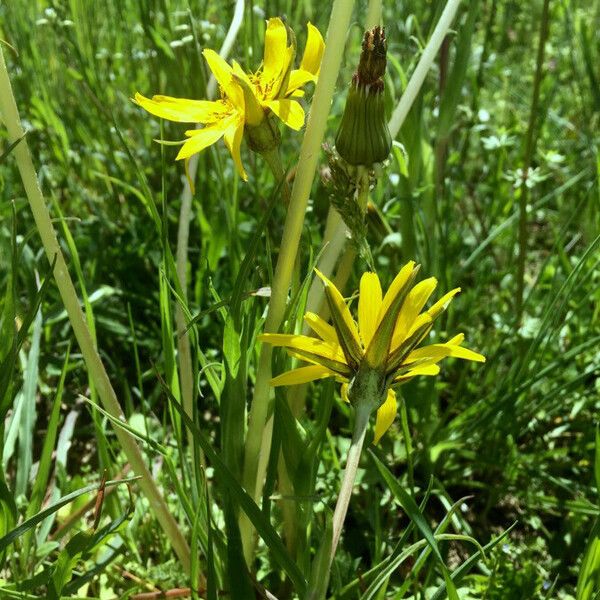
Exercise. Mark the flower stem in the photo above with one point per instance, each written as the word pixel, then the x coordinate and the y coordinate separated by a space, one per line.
pixel 273 159
pixel 363 411
pixel 10 114
pixel 260 424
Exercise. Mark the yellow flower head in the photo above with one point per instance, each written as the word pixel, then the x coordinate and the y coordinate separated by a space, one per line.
pixel 246 99
pixel 382 349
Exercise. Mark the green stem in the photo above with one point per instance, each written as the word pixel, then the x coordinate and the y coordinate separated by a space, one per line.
pixel 273 159
pixel 184 353
pixel 373 16
pixel 8 108
pixel 260 424
pixel 529 149
pixel 363 412
pixel 427 59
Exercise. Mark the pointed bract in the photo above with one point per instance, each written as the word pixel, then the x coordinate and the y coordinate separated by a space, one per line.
pixel 343 322
pixel 378 350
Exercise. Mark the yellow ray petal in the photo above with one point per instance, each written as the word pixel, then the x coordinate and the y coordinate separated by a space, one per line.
pixel 277 88
pixel 466 354
pixel 233 139
pixel 183 110
pixel 343 323
pixel 432 353
pixel 298 78
pixel 428 370
pixel 238 72
pixel 276 46
pixel 313 51
pixel 224 76
pixel 202 138
pixel 339 367
pixel 302 375
pixel 386 414
pixel 440 306
pixel 323 329
pixel 369 303
pixel 420 320
pixel 457 340
pixel 411 308
pixel 437 352
pixel 289 111
pixel 304 343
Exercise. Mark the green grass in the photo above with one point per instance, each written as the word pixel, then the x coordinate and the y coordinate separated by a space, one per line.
pixel 486 477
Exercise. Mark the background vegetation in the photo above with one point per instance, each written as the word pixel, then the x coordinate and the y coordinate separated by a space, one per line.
pixel 481 449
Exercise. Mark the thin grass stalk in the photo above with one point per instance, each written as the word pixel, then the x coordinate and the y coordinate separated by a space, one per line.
pixel 373 16
pixel 260 425
pixel 273 159
pixel 98 374
pixel 528 154
pixel 423 66
pixel 186 370
pixel 440 153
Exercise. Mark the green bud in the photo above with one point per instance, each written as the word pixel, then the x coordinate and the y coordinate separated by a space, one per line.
pixel 363 137
pixel 263 137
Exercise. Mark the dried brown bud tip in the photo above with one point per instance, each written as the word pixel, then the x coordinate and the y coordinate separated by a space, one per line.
pixel 371 66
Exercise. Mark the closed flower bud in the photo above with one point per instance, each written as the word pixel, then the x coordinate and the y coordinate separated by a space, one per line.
pixel 363 137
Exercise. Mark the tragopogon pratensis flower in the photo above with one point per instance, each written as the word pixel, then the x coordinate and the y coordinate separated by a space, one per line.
pixel 247 100
pixel 379 352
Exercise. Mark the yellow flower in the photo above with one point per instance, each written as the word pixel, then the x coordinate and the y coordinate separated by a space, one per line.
pixel 382 350
pixel 245 99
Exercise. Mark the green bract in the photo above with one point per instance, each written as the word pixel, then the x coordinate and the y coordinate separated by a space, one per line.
pixel 363 137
